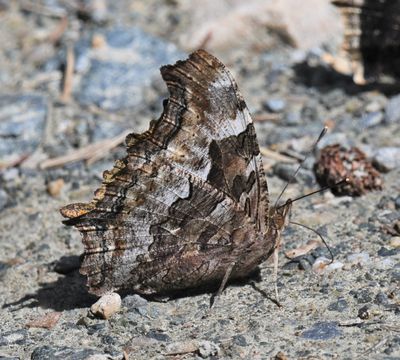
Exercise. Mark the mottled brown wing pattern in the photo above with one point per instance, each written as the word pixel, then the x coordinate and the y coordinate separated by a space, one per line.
pixel 189 199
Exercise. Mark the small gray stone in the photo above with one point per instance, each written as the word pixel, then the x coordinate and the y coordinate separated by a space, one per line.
pixel 207 349
pixel 397 202
pixel 388 252
pixel 240 340
pixel 362 296
pixel 22 122
pixel 13 337
pixel 3 199
pixel 392 110
pixel 340 305
pixel 381 299
pixel 387 158
pixel 134 301
pixel 275 105
pixel 371 119
pixel 61 353
pixel 323 330
pixel 292 118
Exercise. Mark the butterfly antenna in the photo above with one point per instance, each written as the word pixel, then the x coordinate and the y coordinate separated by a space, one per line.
pixel 341 182
pixel 320 236
pixel 321 135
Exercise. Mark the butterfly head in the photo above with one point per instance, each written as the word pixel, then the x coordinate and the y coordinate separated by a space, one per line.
pixel 279 216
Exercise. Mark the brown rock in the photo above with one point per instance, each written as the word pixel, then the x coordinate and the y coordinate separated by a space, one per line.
pixel 47 321
pixel 54 187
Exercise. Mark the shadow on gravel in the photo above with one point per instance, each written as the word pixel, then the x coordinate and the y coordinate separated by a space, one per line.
pixel 68 292
pixel 326 79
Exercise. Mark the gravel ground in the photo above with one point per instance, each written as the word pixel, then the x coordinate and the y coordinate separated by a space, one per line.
pixel 347 310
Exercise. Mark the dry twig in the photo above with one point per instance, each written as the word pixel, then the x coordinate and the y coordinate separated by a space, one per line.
pixel 91 153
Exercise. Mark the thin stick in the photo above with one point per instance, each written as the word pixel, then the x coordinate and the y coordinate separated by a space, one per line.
pixel 92 152
pixel 274 155
pixel 68 75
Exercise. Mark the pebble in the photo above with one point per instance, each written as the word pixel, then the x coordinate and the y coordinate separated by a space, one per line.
pixel 18 337
pixel 363 313
pixel 397 203
pixel 392 110
pixel 61 353
pixel 323 330
pixel 275 105
pixel 323 265
pixel 395 242
pixel 387 158
pixel 361 258
pixel 106 306
pixel 340 305
pixel 371 119
pixel 381 298
pixel 116 78
pixel 54 187
pixel 362 296
pixel 207 349
pixel 22 123
pixel 3 199
pixel 134 301
pixel 388 252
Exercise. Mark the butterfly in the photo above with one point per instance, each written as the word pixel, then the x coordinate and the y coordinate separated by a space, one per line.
pixel 188 205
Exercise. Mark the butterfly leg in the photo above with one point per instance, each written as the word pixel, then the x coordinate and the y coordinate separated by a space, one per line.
pixel 223 283
pixel 276 259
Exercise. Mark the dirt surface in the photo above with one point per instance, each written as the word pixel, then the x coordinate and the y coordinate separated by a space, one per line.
pixel 349 309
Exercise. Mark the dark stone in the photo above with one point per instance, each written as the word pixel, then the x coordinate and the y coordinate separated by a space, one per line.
pixel 22 122
pixel 395 276
pixel 61 353
pixel 240 340
pixel 381 298
pixel 340 305
pixel 397 203
pixel 67 264
pixel 323 330
pixel 114 85
pixel 3 199
pixel 92 329
pixel 362 296
pixel 18 337
pixel 363 313
pixel 392 110
pixel 108 340
pixel 388 252
pixel 159 336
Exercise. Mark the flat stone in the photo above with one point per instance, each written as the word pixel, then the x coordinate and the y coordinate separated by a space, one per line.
pixel 340 305
pixel 121 70
pixel 13 337
pixel 61 353
pixel 387 158
pixel 323 330
pixel 371 119
pixel 275 105
pixel 22 122
pixel 392 110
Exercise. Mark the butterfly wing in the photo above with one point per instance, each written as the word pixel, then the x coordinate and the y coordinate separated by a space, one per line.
pixel 190 194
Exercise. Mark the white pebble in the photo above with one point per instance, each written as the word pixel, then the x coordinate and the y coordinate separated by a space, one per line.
pixel 361 258
pixel 106 306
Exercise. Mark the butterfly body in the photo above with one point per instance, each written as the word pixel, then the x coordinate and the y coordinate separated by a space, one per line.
pixel 189 202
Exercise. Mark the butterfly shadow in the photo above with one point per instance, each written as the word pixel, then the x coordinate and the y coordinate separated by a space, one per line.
pixel 67 293
pixel 325 79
